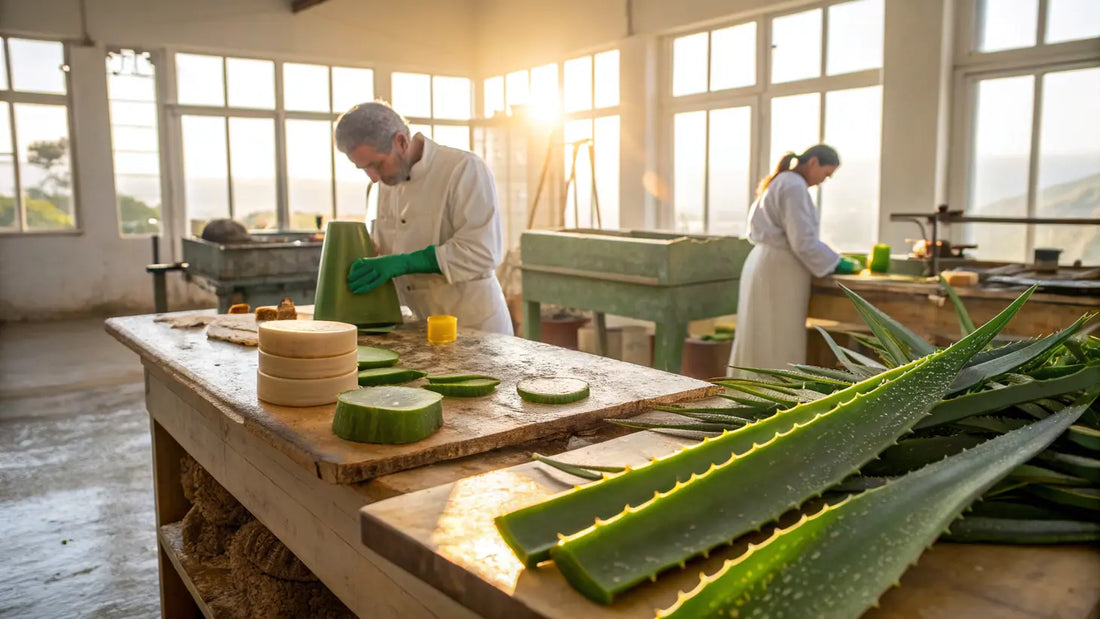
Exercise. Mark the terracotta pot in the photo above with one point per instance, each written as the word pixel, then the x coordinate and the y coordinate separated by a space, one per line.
pixel 562 331
pixel 705 358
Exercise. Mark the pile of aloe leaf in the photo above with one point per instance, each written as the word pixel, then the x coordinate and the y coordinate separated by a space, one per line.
pixel 876 459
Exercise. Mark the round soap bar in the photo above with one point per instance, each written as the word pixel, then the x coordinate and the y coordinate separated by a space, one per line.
pixel 303 391
pixel 307 339
pixel 318 367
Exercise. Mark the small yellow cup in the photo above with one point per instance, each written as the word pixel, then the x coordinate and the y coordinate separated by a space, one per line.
pixel 442 329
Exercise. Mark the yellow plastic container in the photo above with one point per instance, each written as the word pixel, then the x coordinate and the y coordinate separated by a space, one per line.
pixel 442 329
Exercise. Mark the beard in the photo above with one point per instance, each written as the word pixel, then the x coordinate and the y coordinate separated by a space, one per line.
pixel 404 167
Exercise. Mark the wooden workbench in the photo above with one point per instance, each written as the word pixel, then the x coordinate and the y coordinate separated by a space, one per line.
pixel 293 475
pixel 435 555
pixel 923 308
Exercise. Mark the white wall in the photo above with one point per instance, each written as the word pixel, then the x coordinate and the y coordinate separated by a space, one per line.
pixel 97 271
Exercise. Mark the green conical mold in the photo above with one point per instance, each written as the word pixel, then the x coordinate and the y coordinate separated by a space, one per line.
pixel 344 242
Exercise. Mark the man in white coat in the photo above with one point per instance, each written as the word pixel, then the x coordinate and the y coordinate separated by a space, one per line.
pixel 438 227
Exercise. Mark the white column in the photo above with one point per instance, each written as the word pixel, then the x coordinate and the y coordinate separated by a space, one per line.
pixel 917 58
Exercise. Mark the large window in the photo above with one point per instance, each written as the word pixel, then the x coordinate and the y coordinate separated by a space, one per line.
pixel 438 106
pixel 135 140
pixel 36 192
pixel 583 112
pixel 818 82
pixel 257 141
pixel 1031 133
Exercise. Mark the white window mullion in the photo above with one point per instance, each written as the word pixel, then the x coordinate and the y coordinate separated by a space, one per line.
pixel 1041 26
pixel 332 148
pixel 1033 157
pixel 19 205
pixel 706 165
pixel 282 190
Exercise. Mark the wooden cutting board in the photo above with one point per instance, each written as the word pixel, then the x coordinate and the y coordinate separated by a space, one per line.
pixel 226 373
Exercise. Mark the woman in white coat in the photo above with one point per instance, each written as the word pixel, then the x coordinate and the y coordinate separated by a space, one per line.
pixel 774 294
pixel 438 227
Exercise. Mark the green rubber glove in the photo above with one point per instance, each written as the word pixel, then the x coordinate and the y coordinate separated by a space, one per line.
pixel 848 266
pixel 366 274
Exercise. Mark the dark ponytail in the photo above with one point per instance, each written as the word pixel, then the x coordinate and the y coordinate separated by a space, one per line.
pixel 825 154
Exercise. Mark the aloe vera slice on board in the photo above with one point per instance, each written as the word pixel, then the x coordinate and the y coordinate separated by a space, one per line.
pixel 371 357
pixel 389 415
pixel 469 388
pixel 552 390
pixel 455 378
pixel 372 377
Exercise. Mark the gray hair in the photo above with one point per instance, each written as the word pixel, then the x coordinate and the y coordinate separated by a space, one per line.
pixel 373 124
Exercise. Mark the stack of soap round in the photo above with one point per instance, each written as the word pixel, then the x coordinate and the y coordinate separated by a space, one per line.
pixel 306 362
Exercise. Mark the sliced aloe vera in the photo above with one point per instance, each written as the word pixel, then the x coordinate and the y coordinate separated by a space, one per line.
pixel 387 415
pixel 388 376
pixel 552 390
pixel 469 388
pixel 456 378
pixel 371 357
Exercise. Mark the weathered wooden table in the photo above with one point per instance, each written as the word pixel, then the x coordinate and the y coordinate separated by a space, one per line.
pixel 307 486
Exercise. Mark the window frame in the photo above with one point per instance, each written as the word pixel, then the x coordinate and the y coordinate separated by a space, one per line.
pixel 13 97
pixel 972 67
pixel 759 97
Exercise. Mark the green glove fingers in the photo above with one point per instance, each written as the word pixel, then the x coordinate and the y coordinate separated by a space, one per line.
pixel 366 274
pixel 848 266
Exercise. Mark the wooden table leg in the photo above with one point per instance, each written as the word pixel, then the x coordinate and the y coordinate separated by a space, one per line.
pixel 171 506
pixel 532 320
pixel 668 345
pixel 601 333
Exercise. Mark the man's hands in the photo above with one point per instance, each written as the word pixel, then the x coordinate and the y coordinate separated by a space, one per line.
pixel 366 274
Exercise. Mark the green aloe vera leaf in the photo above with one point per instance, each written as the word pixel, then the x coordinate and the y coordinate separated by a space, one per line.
pixel 1014 510
pixel 801 378
pixel 1004 487
pixel 838 562
pixel 996 425
pixel 1074 464
pixel 1033 474
pixel 757 407
pixel 981 402
pixel 1084 436
pixel 732 411
pixel 859 483
pixel 996 353
pixel 1061 371
pixel 976 374
pixel 756 484
pixel 1009 531
pixel 532 531
pixel 863 359
pixel 966 325
pixel 913 453
pixel 700 426
pixel 583 471
pixel 841 355
pixel 1034 410
pixel 873 344
pixel 885 327
pixel 838 375
pixel 1082 498
pixel 764 393
pixel 732 421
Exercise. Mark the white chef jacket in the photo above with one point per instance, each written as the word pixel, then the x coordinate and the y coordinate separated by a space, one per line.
pixel 449 201
pixel 785 217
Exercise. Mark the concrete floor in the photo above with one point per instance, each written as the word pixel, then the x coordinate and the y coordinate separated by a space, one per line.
pixel 76 494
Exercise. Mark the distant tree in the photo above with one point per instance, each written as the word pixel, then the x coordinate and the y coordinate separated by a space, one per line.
pixel 49 154
pixel 41 214
pixel 137 217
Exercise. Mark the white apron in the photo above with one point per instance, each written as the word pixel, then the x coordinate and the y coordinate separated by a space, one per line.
pixel 773 299
pixel 477 304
